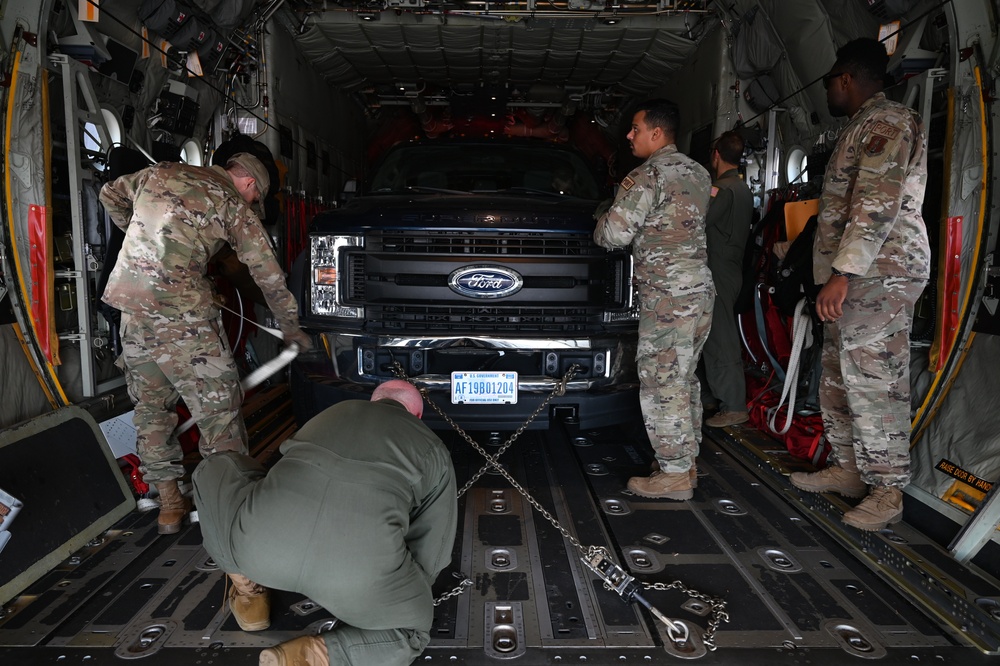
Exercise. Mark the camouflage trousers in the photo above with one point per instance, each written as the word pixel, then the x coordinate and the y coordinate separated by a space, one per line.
pixel 865 389
pixel 167 361
pixel 672 333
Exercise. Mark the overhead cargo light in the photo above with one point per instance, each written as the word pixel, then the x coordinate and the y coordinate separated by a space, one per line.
pixel 409 89
pixel 248 124
pixel 368 15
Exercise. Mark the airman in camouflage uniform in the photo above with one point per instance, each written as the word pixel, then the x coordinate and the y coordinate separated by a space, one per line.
pixel 175 218
pixel 660 209
pixel 872 255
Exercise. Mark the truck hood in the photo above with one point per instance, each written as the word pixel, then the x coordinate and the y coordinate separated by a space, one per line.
pixel 439 211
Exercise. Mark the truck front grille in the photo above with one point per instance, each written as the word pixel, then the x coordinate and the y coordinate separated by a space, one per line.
pixel 500 243
pixel 456 319
pixel 402 281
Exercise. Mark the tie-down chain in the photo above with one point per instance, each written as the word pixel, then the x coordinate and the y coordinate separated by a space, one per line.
pixel 596 558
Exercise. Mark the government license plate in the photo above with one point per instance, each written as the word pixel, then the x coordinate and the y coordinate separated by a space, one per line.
pixel 484 388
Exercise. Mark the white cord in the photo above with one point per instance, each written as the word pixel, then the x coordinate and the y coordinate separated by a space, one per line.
pixel 239 333
pixel 271 367
pixel 800 327
pixel 273 331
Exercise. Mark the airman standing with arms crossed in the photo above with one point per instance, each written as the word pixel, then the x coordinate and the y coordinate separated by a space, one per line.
pixel 660 210
pixel 872 255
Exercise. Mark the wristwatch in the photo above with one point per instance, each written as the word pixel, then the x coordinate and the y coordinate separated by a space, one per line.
pixel 842 273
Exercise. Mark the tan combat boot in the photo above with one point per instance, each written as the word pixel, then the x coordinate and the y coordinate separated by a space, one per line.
pixel 883 506
pixel 301 651
pixel 692 473
pixel 173 507
pixel 250 603
pixel 726 419
pixel 666 485
pixel 833 479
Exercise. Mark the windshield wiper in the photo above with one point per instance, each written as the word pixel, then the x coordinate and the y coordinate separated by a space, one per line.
pixel 436 190
pixel 548 193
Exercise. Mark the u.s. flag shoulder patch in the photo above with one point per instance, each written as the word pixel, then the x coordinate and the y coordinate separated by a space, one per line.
pixel 627 184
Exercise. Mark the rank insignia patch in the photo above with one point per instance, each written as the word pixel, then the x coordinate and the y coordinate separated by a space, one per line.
pixel 628 183
pixel 715 191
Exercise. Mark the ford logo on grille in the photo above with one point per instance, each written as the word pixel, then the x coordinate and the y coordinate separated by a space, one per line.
pixel 485 281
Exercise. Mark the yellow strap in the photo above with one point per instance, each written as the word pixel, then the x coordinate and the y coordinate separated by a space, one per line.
pixel 31 362
pixel 50 377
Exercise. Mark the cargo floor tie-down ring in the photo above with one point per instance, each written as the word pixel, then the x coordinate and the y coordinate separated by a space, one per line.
pixel 685 640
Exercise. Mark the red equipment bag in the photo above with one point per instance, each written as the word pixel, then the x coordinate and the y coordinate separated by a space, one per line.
pixel 804 439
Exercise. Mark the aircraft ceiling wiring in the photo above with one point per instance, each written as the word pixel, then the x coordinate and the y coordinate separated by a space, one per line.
pixel 803 88
pixel 224 94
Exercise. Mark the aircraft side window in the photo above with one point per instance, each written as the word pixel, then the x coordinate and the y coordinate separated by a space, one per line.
pixel 92 137
pixel 796 166
pixel 191 153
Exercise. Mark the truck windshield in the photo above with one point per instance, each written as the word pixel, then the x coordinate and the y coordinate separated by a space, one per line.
pixel 542 169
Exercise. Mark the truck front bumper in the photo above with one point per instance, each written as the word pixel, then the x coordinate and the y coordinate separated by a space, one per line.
pixel 603 391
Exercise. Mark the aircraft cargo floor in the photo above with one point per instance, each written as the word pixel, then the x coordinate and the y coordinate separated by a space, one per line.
pixel 799 587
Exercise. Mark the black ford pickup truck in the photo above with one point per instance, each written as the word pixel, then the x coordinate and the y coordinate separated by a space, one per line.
pixel 468 266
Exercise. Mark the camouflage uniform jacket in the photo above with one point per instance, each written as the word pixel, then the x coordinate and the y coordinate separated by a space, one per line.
pixel 660 209
pixel 175 218
pixel 869 215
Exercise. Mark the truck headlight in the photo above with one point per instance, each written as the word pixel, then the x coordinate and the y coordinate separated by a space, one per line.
pixel 324 279
pixel 623 316
pixel 629 293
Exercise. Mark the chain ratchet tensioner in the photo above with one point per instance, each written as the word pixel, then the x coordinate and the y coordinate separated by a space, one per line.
pixel 617 580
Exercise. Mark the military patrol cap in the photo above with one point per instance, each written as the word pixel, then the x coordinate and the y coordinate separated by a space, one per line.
pixel 256 169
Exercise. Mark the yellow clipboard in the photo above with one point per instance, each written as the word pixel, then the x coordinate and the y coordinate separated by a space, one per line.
pixel 797 213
